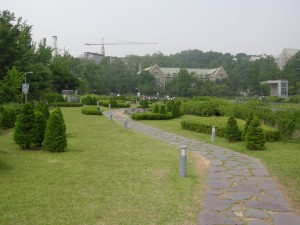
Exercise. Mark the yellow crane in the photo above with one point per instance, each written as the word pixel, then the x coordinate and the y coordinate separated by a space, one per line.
pixel 118 43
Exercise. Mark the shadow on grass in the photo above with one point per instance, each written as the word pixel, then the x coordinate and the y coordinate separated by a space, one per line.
pixel 4 166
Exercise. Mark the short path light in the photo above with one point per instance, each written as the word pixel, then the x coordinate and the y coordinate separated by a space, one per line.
pixel 110 115
pixel 213 133
pixel 183 161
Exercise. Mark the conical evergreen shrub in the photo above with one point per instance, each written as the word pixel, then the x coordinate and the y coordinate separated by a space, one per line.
pixel 232 132
pixel 255 137
pixel 248 121
pixel 162 109
pixel 156 109
pixel 24 128
pixel 43 108
pixel 39 129
pixel 55 135
pixel 176 110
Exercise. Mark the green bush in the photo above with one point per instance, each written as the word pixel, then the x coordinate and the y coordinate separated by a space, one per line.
pixel 7 118
pixel 144 104
pixel 232 131
pixel 66 104
pixel 255 137
pixel 55 135
pixel 53 97
pixel 89 100
pixel 151 116
pixel 24 129
pixel 286 122
pixel 40 123
pixel 156 109
pixel 162 109
pixel 202 108
pixel 43 108
pixel 248 121
pixel 119 104
pixel 91 111
pixel 204 125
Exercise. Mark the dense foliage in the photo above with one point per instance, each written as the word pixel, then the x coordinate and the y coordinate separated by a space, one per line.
pixel 24 128
pixel 232 131
pixel 55 134
pixel 204 125
pixel 20 55
pixel 255 137
pixel 152 116
pixel 91 111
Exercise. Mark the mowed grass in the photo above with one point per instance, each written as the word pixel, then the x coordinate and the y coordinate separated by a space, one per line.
pixel 282 158
pixel 106 176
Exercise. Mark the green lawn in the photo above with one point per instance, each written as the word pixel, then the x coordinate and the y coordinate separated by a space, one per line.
pixel 106 176
pixel 282 159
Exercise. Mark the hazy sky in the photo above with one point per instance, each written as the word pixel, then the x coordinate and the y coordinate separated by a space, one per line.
pixel 227 26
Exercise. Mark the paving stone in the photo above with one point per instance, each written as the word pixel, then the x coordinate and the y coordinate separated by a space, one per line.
pixel 215 203
pixel 260 172
pixel 216 162
pixel 208 217
pixel 267 185
pixel 219 175
pixel 275 200
pixel 218 183
pixel 216 169
pixel 238 196
pixel 276 193
pixel 239 173
pixel 245 188
pixel 286 219
pixel 212 191
pixel 256 213
pixel 258 222
pixel 267 206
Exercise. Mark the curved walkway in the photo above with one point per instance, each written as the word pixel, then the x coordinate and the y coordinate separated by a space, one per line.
pixel 239 188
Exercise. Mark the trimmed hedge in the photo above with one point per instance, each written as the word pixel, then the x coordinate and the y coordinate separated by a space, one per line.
pixel 151 116
pixel 91 111
pixel 204 125
pixel 119 104
pixel 66 104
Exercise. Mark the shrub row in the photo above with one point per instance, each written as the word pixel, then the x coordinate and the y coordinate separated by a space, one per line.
pixel 66 104
pixel 91 111
pixel 202 108
pixel 152 116
pixel 204 125
pixel 119 104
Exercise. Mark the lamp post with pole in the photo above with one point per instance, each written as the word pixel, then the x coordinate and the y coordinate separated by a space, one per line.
pixel 25 86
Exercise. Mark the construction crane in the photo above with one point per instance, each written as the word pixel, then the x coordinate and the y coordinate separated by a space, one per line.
pixel 119 43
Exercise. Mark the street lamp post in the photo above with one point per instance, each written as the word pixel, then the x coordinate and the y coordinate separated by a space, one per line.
pixel 25 86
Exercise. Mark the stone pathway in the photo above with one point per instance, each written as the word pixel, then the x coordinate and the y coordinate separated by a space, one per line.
pixel 239 188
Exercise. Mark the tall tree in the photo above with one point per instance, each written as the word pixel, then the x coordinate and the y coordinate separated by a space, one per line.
pixel 63 79
pixel 16 46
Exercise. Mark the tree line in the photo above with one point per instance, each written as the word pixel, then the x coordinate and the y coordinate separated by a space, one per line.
pixel 51 74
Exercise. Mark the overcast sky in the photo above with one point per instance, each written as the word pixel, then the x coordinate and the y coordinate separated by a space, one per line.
pixel 227 26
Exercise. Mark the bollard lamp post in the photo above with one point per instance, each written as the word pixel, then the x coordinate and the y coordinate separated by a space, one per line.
pixel 183 161
pixel 213 134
